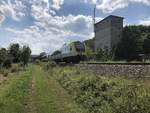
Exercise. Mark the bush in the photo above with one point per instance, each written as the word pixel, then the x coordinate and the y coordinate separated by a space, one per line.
pixel 4 72
pixel 103 95
pixel 7 63
pixel 37 62
pixel 14 68
pixel 49 65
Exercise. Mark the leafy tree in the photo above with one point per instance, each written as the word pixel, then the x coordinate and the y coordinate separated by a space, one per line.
pixel 25 54
pixel 14 52
pixel 7 62
pixel 146 45
pixel 131 44
pixel 89 53
pixel 3 55
pixel 103 54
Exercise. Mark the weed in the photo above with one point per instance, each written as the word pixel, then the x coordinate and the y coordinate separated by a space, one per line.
pixel 103 94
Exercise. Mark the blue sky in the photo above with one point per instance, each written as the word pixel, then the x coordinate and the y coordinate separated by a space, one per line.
pixel 45 25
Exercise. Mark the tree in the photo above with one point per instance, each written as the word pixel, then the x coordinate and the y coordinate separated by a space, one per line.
pixel 89 54
pixel 104 54
pixel 146 45
pixel 131 44
pixel 3 56
pixel 14 52
pixel 25 54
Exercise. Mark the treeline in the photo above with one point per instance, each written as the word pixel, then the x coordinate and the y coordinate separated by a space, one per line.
pixel 135 42
pixel 14 54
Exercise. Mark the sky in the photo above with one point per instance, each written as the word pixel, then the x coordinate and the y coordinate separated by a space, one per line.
pixel 45 25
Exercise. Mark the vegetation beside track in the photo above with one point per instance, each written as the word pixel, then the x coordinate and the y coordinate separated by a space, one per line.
pixel 33 91
pixel 13 90
pixel 103 94
pixel 48 96
pixel 54 89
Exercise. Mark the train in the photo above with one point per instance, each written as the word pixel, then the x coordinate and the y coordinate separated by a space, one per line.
pixel 70 53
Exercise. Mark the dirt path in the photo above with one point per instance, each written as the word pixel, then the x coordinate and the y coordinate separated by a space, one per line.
pixel 47 96
pixel 29 101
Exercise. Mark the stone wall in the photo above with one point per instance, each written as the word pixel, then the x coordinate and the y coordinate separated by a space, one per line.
pixel 137 71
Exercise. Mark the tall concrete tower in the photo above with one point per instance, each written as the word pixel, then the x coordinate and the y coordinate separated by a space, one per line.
pixel 108 32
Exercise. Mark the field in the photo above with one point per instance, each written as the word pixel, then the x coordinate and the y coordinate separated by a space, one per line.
pixel 48 88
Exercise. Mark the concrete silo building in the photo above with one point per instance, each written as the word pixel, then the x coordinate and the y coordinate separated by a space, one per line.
pixel 108 32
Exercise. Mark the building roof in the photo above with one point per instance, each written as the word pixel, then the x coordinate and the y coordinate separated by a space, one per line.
pixel 110 16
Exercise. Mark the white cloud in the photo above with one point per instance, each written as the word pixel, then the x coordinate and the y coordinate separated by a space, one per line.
pixel 92 1
pixel 145 21
pixel 2 18
pixel 12 8
pixel 50 35
pixel 56 4
pixel 50 32
pixel 108 6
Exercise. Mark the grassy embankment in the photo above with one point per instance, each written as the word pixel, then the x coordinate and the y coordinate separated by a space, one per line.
pixel 36 91
pixel 49 96
pixel 103 94
pixel 32 91
pixel 13 89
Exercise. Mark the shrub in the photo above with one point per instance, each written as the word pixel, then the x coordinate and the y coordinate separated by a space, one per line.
pixel 50 65
pixel 37 61
pixel 102 94
pixel 5 73
pixel 7 63
pixel 15 68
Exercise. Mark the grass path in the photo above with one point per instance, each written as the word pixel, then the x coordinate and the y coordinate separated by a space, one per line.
pixel 33 91
pixel 47 96
pixel 13 91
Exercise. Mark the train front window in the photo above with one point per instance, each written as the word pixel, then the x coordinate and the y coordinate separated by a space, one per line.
pixel 79 47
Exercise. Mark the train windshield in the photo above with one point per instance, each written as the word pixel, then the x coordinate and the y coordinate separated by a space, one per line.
pixel 79 46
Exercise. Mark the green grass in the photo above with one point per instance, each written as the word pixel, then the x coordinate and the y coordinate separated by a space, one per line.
pixel 33 91
pixel 13 91
pixel 50 97
pixel 71 90
pixel 100 94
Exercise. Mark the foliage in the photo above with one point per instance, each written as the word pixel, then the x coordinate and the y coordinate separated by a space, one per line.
pixel 25 54
pixel 102 94
pixel 15 68
pixel 37 61
pixel 146 45
pixel 14 52
pixel 13 92
pixel 89 54
pixel 103 55
pixel 132 42
pixel 8 62
pixel 3 54
pixel 90 43
pixel 5 72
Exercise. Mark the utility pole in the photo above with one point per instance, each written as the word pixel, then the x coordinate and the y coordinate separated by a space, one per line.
pixel 94 24
pixel 94 17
